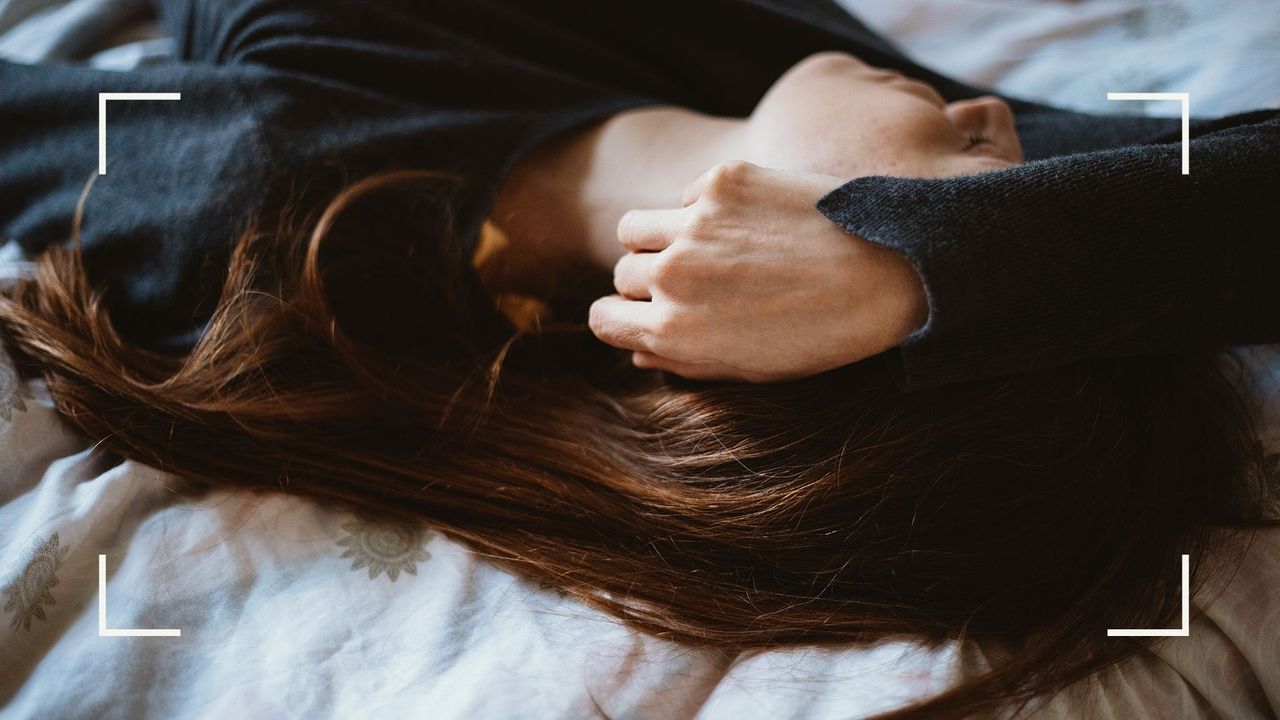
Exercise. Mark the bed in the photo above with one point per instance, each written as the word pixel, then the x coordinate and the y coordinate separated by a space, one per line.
pixel 288 609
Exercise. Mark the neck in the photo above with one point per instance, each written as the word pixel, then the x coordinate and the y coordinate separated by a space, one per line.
pixel 560 206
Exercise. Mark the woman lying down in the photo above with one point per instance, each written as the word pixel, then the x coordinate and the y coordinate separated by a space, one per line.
pixel 882 355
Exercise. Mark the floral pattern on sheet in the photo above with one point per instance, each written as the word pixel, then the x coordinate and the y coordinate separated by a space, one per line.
pixel 31 590
pixel 385 546
pixel 13 392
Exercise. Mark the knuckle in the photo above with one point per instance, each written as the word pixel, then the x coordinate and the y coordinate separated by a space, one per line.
pixel 701 220
pixel 666 269
pixel 728 177
pixel 665 337
pixel 675 270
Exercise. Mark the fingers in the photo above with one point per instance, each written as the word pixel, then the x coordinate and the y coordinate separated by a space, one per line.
pixel 633 275
pixel 623 323
pixel 692 371
pixel 650 230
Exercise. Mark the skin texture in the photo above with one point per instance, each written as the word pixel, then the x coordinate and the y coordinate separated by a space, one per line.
pixel 750 282
pixel 723 266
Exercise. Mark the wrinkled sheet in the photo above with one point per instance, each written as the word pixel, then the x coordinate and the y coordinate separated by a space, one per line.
pixel 290 609
pixel 1071 53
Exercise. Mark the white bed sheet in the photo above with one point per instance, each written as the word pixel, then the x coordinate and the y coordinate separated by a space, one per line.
pixel 291 610
pixel 288 609
pixel 1071 53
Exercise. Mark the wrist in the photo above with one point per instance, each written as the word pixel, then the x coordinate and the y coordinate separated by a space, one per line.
pixel 916 302
pixel 906 303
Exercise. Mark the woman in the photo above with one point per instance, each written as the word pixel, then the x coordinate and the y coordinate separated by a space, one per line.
pixel 846 299
pixel 1111 252
pixel 353 355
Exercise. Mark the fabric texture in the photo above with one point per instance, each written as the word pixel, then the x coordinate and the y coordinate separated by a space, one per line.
pixel 1107 254
pixel 290 610
pixel 1104 253
pixel 283 105
pixel 271 104
pixel 1071 54
pixel 1113 253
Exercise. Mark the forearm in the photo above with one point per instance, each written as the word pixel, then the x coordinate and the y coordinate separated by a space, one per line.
pixel 560 206
pixel 1111 253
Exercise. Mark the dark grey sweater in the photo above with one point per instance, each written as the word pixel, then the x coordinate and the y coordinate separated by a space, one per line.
pixel 1097 246
pixel 1100 253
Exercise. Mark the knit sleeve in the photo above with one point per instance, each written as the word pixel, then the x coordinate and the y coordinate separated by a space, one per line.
pixel 1107 253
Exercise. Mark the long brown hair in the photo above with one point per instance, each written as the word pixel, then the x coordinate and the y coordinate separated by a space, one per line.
pixel 353 360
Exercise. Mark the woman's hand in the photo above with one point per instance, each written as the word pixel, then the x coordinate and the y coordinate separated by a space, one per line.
pixel 750 282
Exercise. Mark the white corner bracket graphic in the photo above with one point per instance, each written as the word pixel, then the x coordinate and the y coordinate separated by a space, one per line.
pixel 102 118
pixel 1185 99
pixel 1183 631
pixel 103 630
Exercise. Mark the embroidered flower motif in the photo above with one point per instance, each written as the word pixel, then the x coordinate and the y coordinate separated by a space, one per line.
pixel 12 389
pixel 30 590
pixel 385 546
